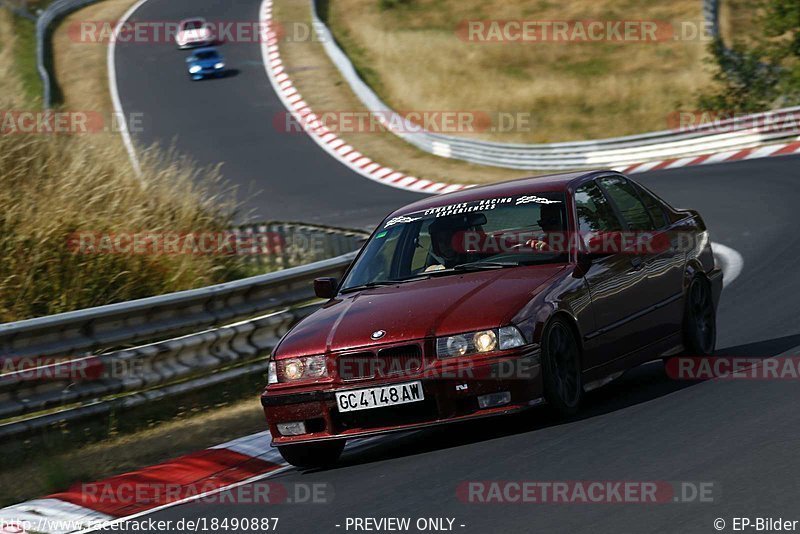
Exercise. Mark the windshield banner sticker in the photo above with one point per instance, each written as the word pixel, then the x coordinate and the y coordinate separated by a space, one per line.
pixel 401 220
pixel 467 207
pixel 533 198
pixel 470 207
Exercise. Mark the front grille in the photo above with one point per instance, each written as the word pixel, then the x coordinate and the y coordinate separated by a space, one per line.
pixel 392 361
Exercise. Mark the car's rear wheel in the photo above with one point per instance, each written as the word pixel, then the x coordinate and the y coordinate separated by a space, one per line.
pixel 699 319
pixel 319 454
pixel 561 365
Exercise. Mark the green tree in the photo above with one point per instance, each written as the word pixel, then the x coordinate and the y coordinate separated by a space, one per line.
pixel 781 44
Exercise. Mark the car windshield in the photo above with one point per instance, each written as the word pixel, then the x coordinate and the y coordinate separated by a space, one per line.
pixel 484 234
pixel 193 25
pixel 210 54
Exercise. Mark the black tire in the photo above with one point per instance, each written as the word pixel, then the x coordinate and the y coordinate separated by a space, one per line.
pixel 561 368
pixel 699 319
pixel 319 454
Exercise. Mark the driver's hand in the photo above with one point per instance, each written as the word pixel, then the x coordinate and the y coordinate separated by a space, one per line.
pixel 535 244
pixel 432 268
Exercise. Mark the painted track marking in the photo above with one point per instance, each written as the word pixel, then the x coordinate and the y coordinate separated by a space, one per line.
pixel 114 90
pixel 729 260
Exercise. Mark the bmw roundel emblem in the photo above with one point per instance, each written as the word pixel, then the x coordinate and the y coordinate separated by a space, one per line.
pixel 377 334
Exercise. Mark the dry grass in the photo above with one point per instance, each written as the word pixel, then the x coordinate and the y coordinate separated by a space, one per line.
pixel 12 85
pixel 738 20
pixel 124 453
pixel 81 67
pixel 54 185
pixel 413 57
pixel 324 89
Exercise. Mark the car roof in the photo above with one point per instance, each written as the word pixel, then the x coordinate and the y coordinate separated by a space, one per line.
pixel 534 184
pixel 205 49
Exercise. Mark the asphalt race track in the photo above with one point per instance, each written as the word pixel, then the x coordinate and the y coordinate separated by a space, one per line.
pixel 741 435
pixel 279 176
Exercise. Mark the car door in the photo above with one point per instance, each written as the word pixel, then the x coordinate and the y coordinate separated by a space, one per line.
pixel 659 258
pixel 613 279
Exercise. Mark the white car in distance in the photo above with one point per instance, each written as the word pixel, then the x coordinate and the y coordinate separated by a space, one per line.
pixel 193 32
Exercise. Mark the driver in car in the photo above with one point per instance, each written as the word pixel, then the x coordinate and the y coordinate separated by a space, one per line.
pixel 444 231
pixel 552 238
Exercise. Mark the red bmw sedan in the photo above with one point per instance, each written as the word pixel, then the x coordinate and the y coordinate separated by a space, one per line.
pixel 491 300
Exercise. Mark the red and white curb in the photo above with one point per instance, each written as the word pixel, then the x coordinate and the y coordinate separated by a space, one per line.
pixel 329 141
pixel 88 507
pixel 189 477
pixel 783 149
pixel 349 156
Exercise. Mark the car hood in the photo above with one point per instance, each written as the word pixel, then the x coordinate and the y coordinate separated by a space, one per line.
pixel 438 306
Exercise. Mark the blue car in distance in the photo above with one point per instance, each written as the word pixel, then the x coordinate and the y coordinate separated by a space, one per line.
pixel 205 63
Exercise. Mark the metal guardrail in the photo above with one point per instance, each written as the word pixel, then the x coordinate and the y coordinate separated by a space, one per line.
pixel 283 244
pixel 83 363
pixel 119 356
pixel 711 16
pixel 54 11
pixel 612 152
pixel 187 341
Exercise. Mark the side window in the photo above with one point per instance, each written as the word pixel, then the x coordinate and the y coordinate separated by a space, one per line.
pixel 653 206
pixel 630 206
pixel 594 211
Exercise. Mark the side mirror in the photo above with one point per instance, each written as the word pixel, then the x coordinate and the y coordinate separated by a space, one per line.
pixel 584 264
pixel 325 288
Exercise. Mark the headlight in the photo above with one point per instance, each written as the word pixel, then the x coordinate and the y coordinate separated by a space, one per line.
pixel 485 341
pixel 293 369
pixel 456 346
pixel 219 65
pixel 482 341
pixel 195 69
pixel 306 368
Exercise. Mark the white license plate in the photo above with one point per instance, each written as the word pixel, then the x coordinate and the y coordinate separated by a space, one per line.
pixel 364 399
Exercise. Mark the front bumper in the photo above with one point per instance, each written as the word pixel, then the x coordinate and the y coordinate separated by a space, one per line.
pixel 447 399
pixel 207 73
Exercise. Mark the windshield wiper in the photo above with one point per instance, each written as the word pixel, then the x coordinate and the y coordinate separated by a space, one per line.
pixel 463 267
pixel 368 285
pixel 482 265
